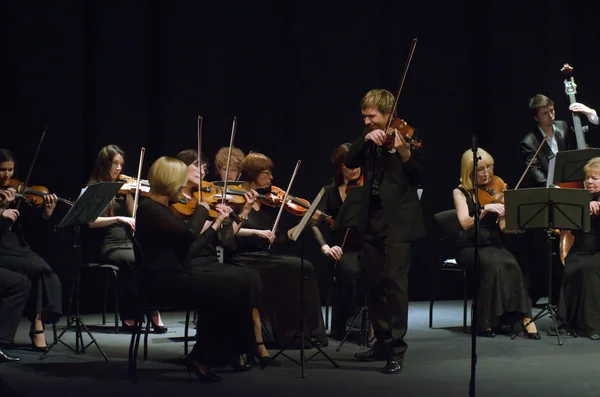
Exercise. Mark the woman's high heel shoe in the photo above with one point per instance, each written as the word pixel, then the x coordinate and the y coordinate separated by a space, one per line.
pixel 208 377
pixel 242 366
pixel 266 361
pixel 159 329
pixel 532 335
pixel 34 347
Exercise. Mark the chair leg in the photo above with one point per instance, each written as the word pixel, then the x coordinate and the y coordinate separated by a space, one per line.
pixel 149 316
pixel 133 346
pixel 186 332
pixel 465 298
pixel 116 301
pixel 105 299
pixel 433 296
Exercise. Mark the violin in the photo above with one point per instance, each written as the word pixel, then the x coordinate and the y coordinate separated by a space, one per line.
pixel 406 131
pixel 273 197
pixel 212 194
pixel 33 195
pixel 492 192
pixel 130 185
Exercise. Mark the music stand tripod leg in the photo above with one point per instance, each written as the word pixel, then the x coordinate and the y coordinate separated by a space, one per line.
pixel 362 310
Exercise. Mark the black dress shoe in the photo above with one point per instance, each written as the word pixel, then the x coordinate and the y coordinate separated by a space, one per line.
pixel 393 366
pixel 5 358
pixel 370 355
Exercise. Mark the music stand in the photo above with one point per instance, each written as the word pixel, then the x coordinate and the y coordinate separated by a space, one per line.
pixel 567 166
pixel 347 218
pixel 303 335
pixel 548 209
pixel 88 207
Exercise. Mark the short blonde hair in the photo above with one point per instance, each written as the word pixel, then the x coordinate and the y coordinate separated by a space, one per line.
pixel 381 100
pixel 166 176
pixel 592 165
pixel 466 166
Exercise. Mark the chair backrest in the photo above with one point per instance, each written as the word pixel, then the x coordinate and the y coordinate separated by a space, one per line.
pixel 447 232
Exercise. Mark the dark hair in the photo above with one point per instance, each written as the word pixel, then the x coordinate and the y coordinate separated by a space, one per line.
pixel 101 170
pixel 537 102
pixel 6 155
pixel 338 157
pixel 253 164
pixel 190 155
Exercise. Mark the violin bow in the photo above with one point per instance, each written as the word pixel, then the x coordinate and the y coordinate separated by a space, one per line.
pixel 225 182
pixel 285 196
pixel 139 182
pixel 406 66
pixel 530 162
pixel 200 119
pixel 35 156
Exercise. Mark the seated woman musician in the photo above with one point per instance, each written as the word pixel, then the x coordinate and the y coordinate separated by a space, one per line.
pixel 237 156
pixel 110 234
pixel 280 273
pixel 580 305
pixel 222 230
pixel 501 293
pixel 45 299
pixel 346 244
pixel 165 240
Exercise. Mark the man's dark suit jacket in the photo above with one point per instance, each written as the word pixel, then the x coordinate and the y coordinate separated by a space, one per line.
pixel 538 172
pixel 397 189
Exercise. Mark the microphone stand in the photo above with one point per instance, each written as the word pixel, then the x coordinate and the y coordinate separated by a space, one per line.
pixel 477 212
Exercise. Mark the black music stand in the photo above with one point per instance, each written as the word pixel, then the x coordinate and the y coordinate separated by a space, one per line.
pixel 348 218
pixel 568 165
pixel 88 207
pixel 547 208
pixel 303 334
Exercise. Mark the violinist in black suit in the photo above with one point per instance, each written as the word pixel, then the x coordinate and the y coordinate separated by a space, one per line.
pixel 558 136
pixel 391 219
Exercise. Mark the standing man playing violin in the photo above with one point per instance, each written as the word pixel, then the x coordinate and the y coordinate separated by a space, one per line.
pixel 391 218
pixel 558 137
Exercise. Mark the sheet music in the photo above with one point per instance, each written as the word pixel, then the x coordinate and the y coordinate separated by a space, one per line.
pixel 551 164
pixel 307 216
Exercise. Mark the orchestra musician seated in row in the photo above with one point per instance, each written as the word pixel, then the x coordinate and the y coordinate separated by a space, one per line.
pixel 225 329
pixel 279 271
pixel 500 291
pixel 580 305
pixel 110 235
pixel 345 249
pixel 237 156
pixel 45 299
pixel 14 293
pixel 221 231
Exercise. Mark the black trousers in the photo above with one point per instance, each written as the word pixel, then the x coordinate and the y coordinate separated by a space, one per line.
pixel 387 261
pixel 46 289
pixel 124 259
pixel 14 292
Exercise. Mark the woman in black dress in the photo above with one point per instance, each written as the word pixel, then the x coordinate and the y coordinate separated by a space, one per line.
pixel 224 331
pixel 347 296
pixel 501 290
pixel 221 231
pixel 45 299
pixel 581 284
pixel 110 235
pixel 280 273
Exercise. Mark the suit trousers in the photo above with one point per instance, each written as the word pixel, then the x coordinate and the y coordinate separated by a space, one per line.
pixel 387 262
pixel 14 292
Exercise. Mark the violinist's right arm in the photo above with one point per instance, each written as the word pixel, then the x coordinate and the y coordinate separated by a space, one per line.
pixel 356 155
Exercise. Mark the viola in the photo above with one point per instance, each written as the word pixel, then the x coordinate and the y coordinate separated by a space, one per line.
pixel 34 195
pixel 492 192
pixel 212 194
pixel 273 197
pixel 406 131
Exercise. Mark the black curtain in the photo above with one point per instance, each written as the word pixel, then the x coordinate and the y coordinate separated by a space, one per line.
pixel 138 73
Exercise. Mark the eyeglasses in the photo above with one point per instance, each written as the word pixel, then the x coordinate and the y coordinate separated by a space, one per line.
pixel 267 173
pixel 487 168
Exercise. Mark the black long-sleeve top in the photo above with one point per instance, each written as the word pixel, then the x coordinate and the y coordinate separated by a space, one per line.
pixel 164 238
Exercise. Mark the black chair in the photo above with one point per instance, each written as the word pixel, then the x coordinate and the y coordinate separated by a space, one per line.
pixel 447 234
pixel 108 270
pixel 145 310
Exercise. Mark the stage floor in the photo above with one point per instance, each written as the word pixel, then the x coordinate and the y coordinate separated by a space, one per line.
pixel 438 363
